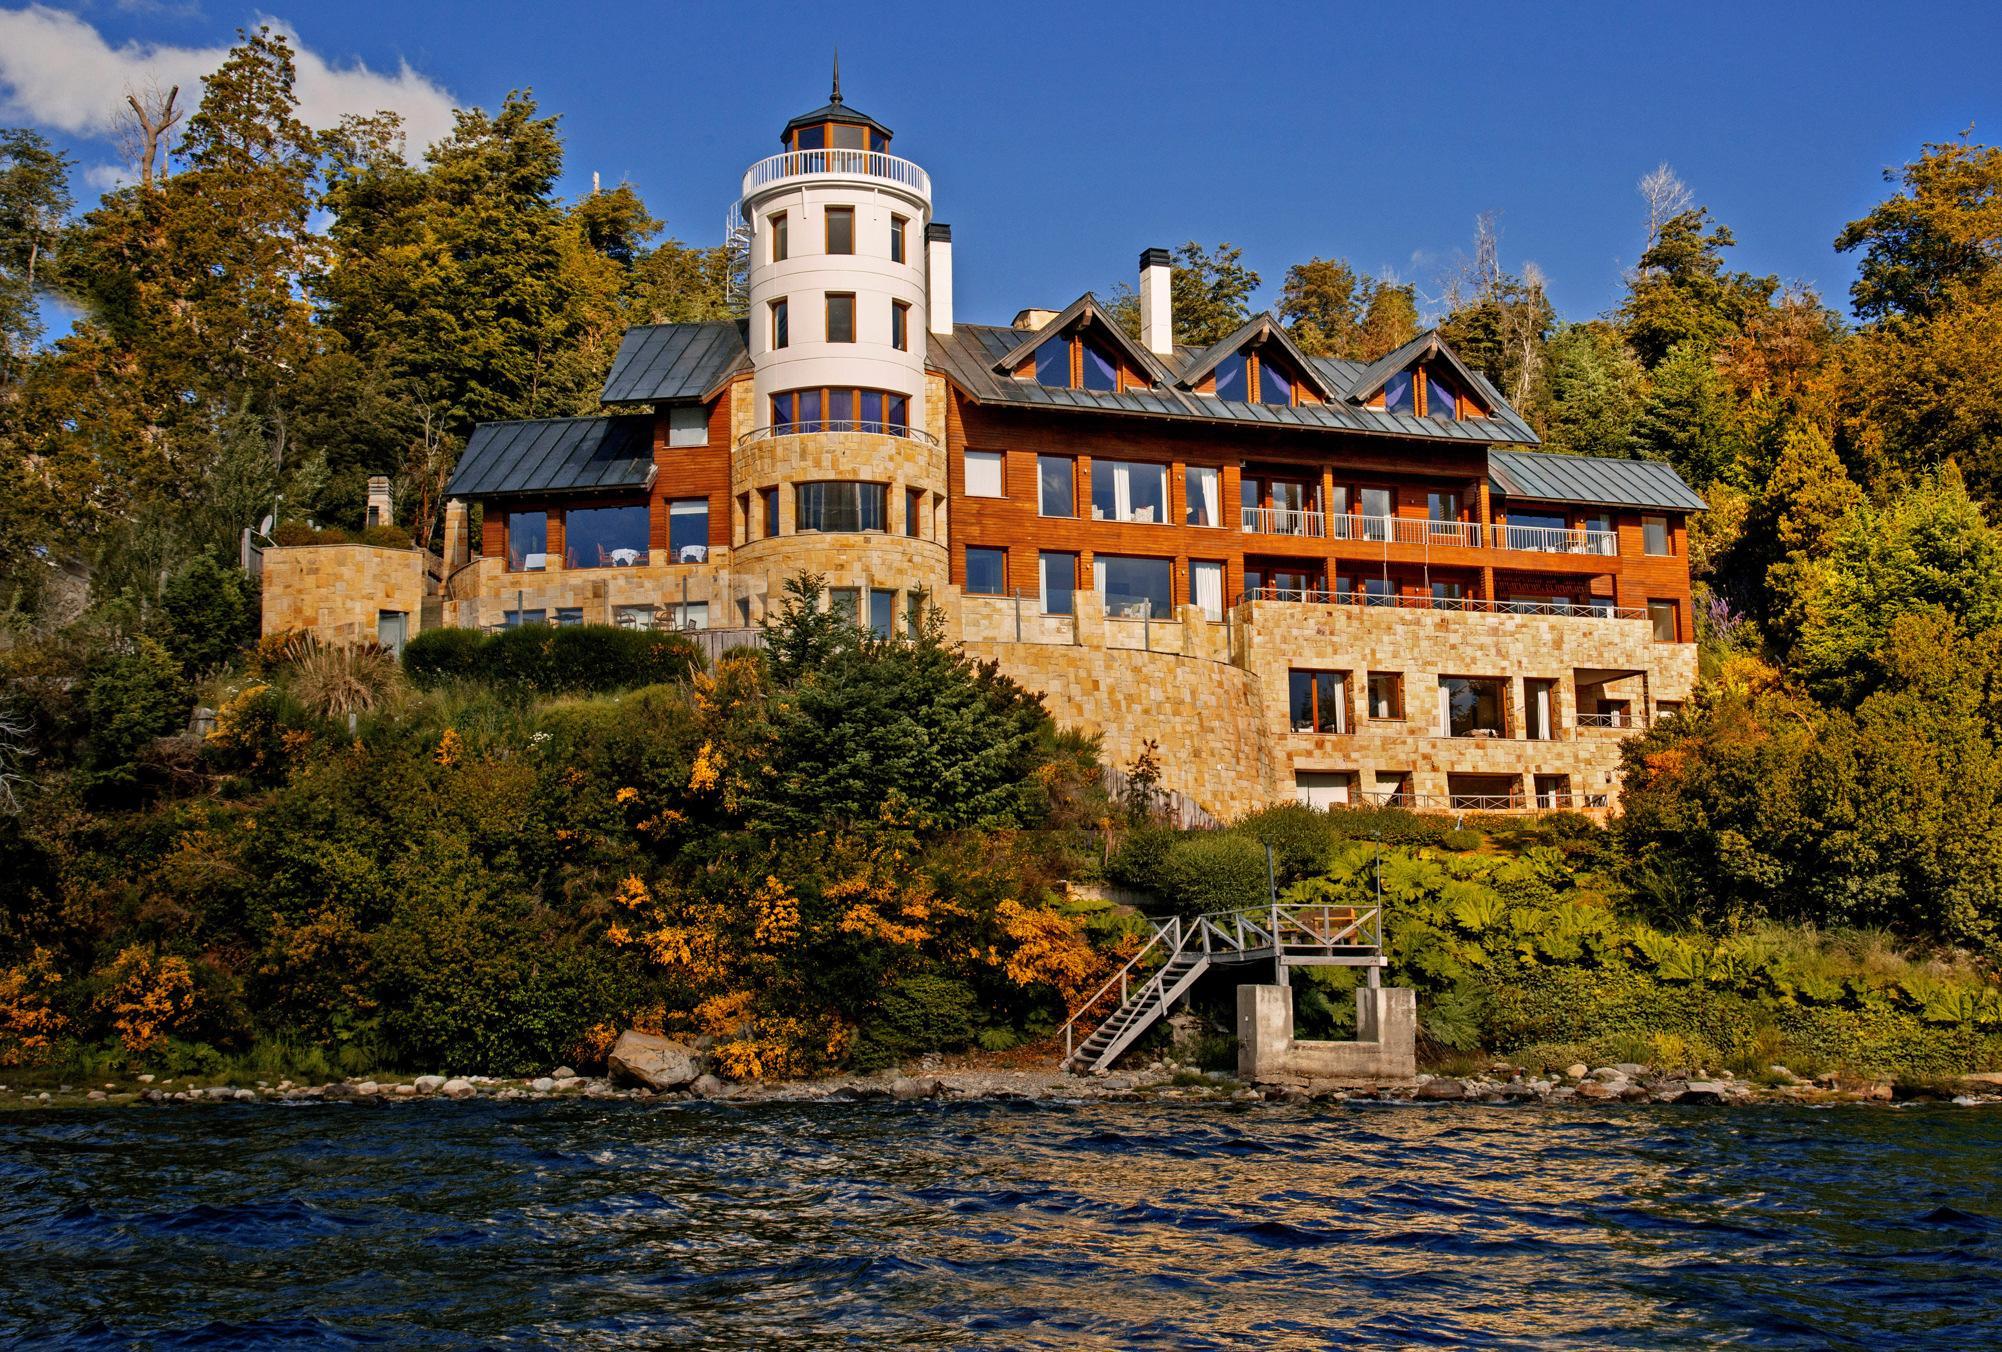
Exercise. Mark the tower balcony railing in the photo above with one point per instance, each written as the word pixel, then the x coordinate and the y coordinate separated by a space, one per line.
pixel 872 427
pixel 845 163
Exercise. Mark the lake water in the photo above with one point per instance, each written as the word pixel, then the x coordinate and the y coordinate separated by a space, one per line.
pixel 1004 1224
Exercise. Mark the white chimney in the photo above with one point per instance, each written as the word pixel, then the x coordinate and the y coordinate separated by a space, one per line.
pixel 1157 307
pixel 938 271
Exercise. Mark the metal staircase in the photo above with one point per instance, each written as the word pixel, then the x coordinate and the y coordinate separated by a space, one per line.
pixel 1180 951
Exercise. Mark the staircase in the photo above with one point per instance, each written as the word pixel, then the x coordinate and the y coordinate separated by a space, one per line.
pixel 1180 951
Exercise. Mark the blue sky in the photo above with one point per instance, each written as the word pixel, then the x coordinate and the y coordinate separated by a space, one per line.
pixel 1062 140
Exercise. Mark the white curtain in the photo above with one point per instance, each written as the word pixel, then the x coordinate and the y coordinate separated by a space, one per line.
pixel 1209 483
pixel 1122 493
pixel 1098 576
pixel 1208 578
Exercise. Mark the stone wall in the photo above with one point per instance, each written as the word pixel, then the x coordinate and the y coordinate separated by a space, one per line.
pixel 339 591
pixel 478 594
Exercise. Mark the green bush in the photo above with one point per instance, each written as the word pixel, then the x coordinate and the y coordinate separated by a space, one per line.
pixel 1462 840
pixel 1390 825
pixel 1214 871
pixel 1141 860
pixel 915 1015
pixel 387 537
pixel 132 698
pixel 207 614
pixel 574 659
pixel 1302 838
pixel 292 533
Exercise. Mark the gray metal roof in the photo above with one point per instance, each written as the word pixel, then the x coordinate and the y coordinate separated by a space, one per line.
pixel 660 363
pixel 1266 328
pixel 1091 311
pixel 1544 476
pixel 555 455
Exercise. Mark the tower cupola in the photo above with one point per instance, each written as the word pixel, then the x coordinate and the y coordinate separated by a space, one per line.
pixel 835 126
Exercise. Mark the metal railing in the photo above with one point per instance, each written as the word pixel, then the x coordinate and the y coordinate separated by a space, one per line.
pixel 876 427
pixel 1617 719
pixel 1404 530
pixel 851 163
pixel 1392 601
pixel 1284 521
pixel 1552 800
pixel 1556 540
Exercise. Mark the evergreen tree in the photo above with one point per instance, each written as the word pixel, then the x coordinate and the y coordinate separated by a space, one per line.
pixel 1680 294
pixel 1332 311
pixel 1942 234
pixel 1682 420
pixel 34 199
pixel 1597 389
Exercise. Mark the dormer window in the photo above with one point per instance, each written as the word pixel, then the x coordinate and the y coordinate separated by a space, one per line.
pixel 1076 363
pixel 1096 370
pixel 1273 386
pixel 1053 364
pixel 1400 394
pixel 1246 378
pixel 1441 402
pixel 1233 379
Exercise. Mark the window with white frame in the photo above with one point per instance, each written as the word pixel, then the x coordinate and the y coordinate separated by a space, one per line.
pixel 983 474
pixel 1129 490
pixel 687 425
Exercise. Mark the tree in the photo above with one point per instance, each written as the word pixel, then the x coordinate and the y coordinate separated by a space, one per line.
pixel 34 199
pixel 1498 323
pixel 1804 504
pixel 1682 418
pixel 1332 311
pixel 1666 196
pixel 1939 236
pixel 1681 294
pixel 1596 391
pixel 1208 289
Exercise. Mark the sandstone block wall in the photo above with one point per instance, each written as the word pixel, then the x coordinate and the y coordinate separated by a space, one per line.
pixel 340 591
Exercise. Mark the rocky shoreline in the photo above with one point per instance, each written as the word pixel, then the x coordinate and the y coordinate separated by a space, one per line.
pixel 1162 1081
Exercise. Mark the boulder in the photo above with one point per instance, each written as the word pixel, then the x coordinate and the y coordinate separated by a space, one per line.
pixel 543 1085
pixel 708 1086
pixel 652 1062
pixel 406 1091
pixel 457 1089
pixel 368 1087
pixel 1702 1091
pixel 1577 1070
pixel 1445 1090
pixel 904 1087
pixel 429 1084
pixel 563 1073
pixel 1600 1089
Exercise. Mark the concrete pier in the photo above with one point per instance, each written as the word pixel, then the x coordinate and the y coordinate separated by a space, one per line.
pixel 1385 1049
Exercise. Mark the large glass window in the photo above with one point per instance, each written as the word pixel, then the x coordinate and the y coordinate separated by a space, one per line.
pixel 841 230
pixel 1442 506
pixel 604 537
pixel 840 316
pixel 1128 490
pixel 1400 393
pixel 1386 694
pixel 838 506
pixel 1661 614
pixel 1134 588
pixel 1203 486
pixel 846 603
pixel 882 612
pixel 986 571
pixel 1654 534
pixel 527 540
pixel 1053 363
pixel 1056 485
pixel 814 137
pixel 1538 697
pixel 1440 401
pixel 1273 385
pixel 814 410
pixel 1376 505
pixel 1100 373
pixel 1470 706
pixel 1319 701
pixel 688 530
pixel 1232 379
pixel 1058 576
pixel 1206 587
pixel 848 136
pixel 983 474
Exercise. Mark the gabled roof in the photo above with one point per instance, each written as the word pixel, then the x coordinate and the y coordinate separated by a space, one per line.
pixel 556 455
pixel 662 363
pixel 1425 347
pixel 1086 309
pixel 1543 476
pixel 1261 328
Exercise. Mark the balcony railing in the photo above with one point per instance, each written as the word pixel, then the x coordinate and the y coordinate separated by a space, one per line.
pixel 807 429
pixel 1285 521
pixel 1558 800
pixel 1404 530
pixel 1617 719
pixel 848 163
pixel 1556 540
pixel 1314 596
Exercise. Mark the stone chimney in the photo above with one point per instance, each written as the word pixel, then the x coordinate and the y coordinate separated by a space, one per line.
pixel 938 273
pixel 1032 319
pixel 458 535
pixel 380 510
pixel 1157 308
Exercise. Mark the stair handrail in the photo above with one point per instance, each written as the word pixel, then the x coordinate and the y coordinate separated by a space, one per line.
pixel 1122 977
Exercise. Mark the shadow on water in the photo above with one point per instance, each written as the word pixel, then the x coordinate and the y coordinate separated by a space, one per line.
pixel 1000 1225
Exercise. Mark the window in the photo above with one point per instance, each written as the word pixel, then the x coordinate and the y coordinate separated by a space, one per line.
pixel 1097 370
pixel 778 224
pixel 1440 506
pixel 1324 789
pixel 1203 486
pixel 1376 510
pixel 841 316
pixel 1538 709
pixel 813 138
pixel 984 474
pixel 569 617
pixel 986 571
pixel 391 628
pixel 689 615
pixel 1553 790
pixel 1447 595
pixel 1273 386
pixel 771 497
pixel 1440 401
pixel 845 602
pixel 688 530
pixel 687 425
pixel 838 506
pixel 1134 588
pixel 1317 699
pixel 1206 587
pixel 1399 392
pixel 879 411
pixel 781 325
pixel 515 619
pixel 1127 490
pixel 841 230
pixel 1470 706
pixel 899 228
pixel 1386 695
pixel 914 504
pixel 604 537
pixel 527 541
pixel 1661 614
pixel 848 136
pixel 1654 534
pixel 900 326
pixel 632 617
pixel 1056 485
pixel 1053 363
pixel 882 612
pixel 1233 378
pixel 1379 591
pixel 1058 576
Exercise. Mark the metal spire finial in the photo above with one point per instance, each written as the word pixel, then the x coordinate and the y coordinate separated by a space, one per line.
pixel 837 77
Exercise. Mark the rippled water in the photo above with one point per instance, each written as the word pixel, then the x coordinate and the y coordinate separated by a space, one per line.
pixel 1010 1225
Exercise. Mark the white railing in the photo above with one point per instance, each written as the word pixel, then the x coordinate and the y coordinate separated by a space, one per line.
pixel 1390 601
pixel 849 163
pixel 1284 521
pixel 1405 530
pixel 877 428
pixel 1556 540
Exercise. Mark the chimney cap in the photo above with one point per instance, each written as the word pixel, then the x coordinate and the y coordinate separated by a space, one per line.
pixel 938 234
pixel 1156 258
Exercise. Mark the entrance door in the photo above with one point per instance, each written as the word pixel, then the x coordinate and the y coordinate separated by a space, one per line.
pixel 392 627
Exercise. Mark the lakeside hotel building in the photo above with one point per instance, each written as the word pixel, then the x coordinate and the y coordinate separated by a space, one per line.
pixel 1296 576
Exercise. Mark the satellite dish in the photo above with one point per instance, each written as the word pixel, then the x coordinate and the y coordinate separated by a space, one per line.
pixel 264 526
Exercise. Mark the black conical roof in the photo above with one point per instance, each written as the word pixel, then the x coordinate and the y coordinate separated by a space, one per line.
pixel 834 110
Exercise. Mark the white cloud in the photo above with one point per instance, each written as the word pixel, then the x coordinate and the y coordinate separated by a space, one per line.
pixel 58 71
pixel 107 177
